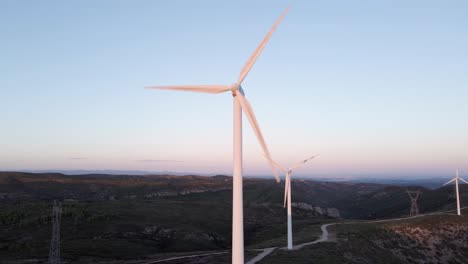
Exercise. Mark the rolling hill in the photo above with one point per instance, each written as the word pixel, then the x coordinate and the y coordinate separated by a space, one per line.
pixel 125 217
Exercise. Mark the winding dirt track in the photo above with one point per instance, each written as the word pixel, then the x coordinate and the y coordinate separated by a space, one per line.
pixel 185 257
pixel 325 237
pixel 265 252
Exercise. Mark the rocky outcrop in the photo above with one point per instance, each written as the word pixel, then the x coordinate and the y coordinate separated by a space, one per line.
pixel 160 194
pixel 333 212
pixel 154 195
pixel 328 212
pixel 164 235
pixel 436 243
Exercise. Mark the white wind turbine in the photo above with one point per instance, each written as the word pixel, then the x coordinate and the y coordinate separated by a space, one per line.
pixel 287 193
pixel 240 105
pixel 457 177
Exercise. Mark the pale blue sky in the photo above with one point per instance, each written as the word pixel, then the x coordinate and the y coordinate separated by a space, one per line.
pixel 375 87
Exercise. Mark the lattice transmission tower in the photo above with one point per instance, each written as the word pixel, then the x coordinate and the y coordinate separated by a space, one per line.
pixel 414 202
pixel 54 250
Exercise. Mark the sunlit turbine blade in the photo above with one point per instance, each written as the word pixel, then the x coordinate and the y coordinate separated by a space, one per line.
pixel 448 182
pixel 302 162
pixel 251 61
pixel 286 189
pixel 213 89
pixel 247 109
pixel 277 165
pixel 462 179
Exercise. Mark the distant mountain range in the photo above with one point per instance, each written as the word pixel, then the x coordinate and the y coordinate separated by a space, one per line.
pixel 357 198
pixel 427 182
pixel 114 172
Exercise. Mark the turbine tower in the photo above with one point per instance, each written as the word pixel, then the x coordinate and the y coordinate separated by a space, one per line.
pixel 240 105
pixel 414 202
pixel 54 250
pixel 456 179
pixel 287 193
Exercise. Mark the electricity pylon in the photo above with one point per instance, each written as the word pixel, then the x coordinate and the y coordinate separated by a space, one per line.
pixel 414 202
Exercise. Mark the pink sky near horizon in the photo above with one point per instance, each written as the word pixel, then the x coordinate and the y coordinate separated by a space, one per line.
pixel 373 87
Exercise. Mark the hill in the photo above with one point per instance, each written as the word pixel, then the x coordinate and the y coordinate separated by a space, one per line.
pixel 430 239
pixel 125 217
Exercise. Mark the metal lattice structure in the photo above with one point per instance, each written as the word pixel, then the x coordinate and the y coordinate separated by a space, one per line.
pixel 414 195
pixel 54 250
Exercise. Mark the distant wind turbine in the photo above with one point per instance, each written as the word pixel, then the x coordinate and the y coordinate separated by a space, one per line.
pixel 287 193
pixel 240 105
pixel 457 177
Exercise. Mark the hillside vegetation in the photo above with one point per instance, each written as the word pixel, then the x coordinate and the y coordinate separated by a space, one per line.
pixel 109 217
pixel 431 239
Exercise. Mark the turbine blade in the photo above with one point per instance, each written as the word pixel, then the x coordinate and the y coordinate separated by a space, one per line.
pixel 247 109
pixel 251 61
pixel 277 165
pixel 297 165
pixel 462 180
pixel 213 89
pixel 449 182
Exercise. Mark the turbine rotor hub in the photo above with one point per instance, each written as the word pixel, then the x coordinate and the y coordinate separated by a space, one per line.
pixel 236 87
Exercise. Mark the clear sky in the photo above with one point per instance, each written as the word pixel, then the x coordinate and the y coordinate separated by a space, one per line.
pixel 375 87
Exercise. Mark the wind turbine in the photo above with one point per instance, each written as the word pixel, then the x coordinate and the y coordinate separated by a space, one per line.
pixel 287 193
pixel 457 177
pixel 240 105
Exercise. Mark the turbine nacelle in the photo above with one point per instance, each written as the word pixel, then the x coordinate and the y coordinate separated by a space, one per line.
pixel 456 179
pixel 235 87
pixel 238 92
